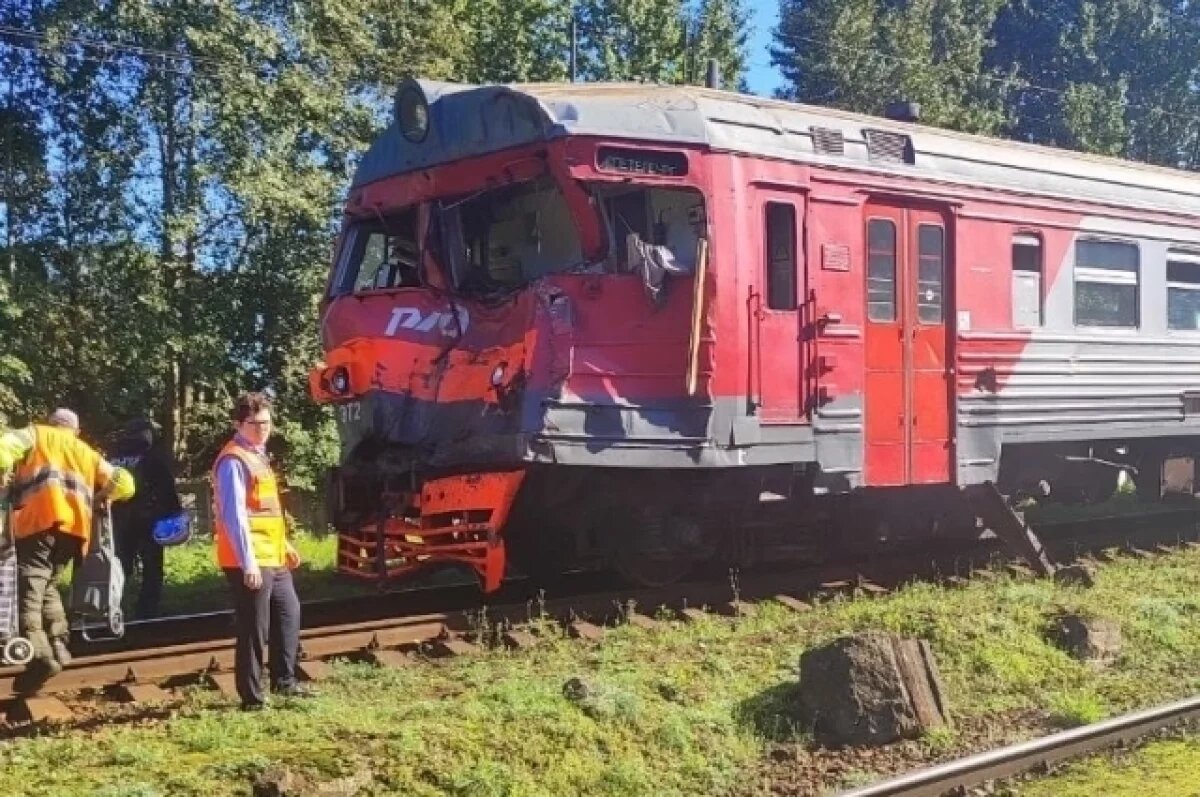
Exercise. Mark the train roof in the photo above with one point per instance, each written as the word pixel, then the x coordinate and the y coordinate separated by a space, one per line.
pixel 466 120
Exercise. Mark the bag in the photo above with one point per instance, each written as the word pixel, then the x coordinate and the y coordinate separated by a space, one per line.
pixel 98 580
pixel 14 648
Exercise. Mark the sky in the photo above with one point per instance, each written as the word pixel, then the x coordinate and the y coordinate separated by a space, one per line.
pixel 762 77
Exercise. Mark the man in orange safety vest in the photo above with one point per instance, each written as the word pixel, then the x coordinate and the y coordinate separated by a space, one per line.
pixel 253 550
pixel 56 480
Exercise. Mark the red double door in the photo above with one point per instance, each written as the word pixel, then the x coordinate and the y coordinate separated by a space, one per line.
pixel 909 373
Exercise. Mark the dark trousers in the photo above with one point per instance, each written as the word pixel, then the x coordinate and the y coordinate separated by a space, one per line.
pixel 41 559
pixel 268 616
pixel 134 542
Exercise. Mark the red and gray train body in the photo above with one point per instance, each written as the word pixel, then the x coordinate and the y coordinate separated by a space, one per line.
pixel 572 326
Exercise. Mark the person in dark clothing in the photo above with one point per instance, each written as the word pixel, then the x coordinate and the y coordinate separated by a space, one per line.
pixel 139 451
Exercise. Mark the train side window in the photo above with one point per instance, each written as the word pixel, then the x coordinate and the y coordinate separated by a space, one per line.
pixel 931 270
pixel 1106 284
pixel 881 270
pixel 1183 290
pixel 1027 281
pixel 781 256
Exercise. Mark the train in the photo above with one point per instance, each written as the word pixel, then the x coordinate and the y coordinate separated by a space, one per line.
pixel 643 328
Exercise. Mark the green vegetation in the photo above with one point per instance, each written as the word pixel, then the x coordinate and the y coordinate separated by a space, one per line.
pixel 174 174
pixel 685 710
pixel 1170 767
pixel 193 582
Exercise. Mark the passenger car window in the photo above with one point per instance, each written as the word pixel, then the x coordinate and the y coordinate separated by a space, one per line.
pixel 1027 281
pixel 930 273
pixel 1183 290
pixel 1106 284
pixel 780 248
pixel 881 270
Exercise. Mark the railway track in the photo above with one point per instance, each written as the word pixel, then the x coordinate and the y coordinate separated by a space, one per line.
pixel 387 629
pixel 955 777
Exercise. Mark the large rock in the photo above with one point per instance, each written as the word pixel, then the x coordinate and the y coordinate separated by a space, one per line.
pixel 871 689
pixel 1089 639
pixel 1076 575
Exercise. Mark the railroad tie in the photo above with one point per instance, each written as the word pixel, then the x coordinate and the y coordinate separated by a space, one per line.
pixel 223 682
pixel 448 648
pixel 38 709
pixel 140 693
pixel 737 609
pixel 793 603
pixel 313 669
pixel 582 629
pixel 642 621
pixel 519 640
pixel 383 657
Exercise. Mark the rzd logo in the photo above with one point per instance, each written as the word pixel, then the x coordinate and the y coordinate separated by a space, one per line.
pixel 444 322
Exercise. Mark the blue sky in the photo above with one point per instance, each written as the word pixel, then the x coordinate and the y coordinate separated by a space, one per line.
pixel 762 77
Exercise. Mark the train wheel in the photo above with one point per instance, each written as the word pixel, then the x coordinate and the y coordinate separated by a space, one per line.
pixel 652 571
pixel 650 548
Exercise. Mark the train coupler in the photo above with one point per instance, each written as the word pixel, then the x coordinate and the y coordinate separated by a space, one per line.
pixel 449 520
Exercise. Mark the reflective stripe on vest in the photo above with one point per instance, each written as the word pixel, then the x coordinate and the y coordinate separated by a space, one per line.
pixel 52 486
pixel 47 477
pixel 268 531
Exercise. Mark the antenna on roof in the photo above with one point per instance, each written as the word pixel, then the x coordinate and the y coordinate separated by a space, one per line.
pixel 713 79
pixel 574 43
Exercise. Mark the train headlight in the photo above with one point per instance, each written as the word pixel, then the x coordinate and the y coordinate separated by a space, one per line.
pixel 412 112
pixel 340 381
pixel 498 375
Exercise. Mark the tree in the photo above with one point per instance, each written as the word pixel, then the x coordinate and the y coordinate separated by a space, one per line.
pixel 626 40
pixel 862 54
pixel 719 32
pixel 517 41
pixel 1109 76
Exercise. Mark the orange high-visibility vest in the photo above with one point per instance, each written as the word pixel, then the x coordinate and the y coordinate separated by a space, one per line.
pixel 264 510
pixel 53 485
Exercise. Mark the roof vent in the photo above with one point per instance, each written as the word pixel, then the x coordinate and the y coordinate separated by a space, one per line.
pixel 903 111
pixel 828 141
pixel 885 145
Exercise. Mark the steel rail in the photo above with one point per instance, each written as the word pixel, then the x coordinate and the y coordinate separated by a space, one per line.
pixel 166 658
pixel 463 596
pixel 163 663
pixel 969 772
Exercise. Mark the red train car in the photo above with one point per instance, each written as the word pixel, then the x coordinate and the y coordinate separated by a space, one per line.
pixel 639 326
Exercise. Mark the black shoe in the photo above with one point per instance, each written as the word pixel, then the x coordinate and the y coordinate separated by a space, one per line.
pixel 253 706
pixel 35 675
pixel 61 653
pixel 294 690
pixel 49 667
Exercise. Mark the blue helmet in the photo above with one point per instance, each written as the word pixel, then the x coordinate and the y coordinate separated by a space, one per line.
pixel 173 529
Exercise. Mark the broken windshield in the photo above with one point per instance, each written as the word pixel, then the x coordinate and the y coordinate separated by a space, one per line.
pixel 378 254
pixel 500 239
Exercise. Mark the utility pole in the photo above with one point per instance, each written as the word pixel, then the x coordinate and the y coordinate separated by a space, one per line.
pixel 10 144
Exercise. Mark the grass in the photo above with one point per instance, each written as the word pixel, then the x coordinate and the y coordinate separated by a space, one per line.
pixel 1170 767
pixel 193 583
pixel 684 710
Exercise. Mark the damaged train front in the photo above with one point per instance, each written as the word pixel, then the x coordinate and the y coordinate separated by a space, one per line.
pixel 438 329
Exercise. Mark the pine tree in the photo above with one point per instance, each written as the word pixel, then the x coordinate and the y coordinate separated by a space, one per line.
pixel 719 32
